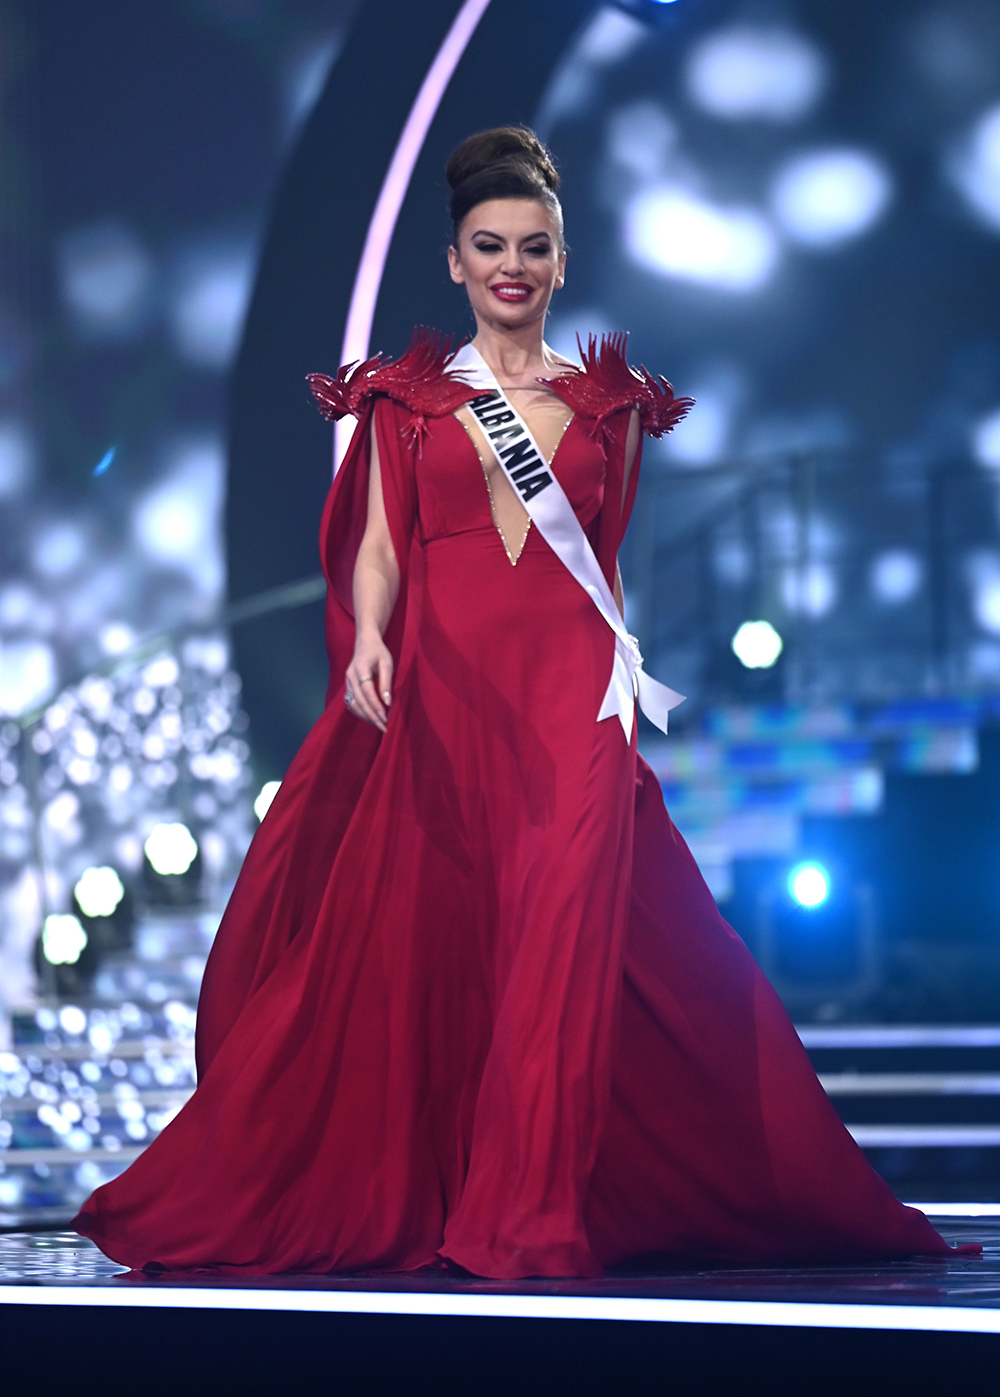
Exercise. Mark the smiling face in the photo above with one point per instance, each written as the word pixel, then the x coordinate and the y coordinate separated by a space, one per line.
pixel 510 259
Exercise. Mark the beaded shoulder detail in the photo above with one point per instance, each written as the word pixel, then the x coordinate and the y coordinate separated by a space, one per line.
pixel 418 379
pixel 607 383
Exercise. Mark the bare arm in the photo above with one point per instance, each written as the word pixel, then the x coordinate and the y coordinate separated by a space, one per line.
pixel 376 587
pixel 631 447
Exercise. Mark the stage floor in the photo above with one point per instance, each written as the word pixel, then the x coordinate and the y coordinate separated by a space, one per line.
pixel 960 1294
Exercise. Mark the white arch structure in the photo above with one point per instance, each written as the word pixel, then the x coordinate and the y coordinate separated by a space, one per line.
pixel 368 278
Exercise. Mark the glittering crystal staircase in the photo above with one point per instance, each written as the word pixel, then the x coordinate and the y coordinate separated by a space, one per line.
pixel 923 1101
pixel 84 1087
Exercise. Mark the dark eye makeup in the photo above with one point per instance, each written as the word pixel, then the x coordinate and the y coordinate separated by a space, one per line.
pixel 540 249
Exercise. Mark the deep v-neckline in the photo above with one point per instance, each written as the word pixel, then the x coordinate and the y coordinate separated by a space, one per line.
pixel 549 461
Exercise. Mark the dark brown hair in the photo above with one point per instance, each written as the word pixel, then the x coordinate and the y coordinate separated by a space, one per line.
pixel 508 162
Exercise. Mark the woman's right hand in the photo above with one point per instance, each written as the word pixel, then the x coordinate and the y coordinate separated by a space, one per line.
pixel 368 686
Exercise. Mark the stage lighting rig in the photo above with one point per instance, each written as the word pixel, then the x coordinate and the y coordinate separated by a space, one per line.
pixel 105 908
pixel 809 884
pixel 65 955
pixel 63 939
pixel 172 865
pixel 818 938
pixel 757 645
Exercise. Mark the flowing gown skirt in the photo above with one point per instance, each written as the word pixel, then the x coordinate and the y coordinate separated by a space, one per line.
pixel 482 1004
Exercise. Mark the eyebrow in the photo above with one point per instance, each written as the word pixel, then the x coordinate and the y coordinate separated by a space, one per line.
pixel 485 233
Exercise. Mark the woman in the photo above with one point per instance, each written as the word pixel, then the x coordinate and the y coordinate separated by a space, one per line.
pixel 471 1003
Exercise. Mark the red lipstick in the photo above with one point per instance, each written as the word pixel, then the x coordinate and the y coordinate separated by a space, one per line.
pixel 511 291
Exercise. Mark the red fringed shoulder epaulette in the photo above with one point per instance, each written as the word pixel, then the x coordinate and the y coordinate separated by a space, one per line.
pixel 418 379
pixel 607 383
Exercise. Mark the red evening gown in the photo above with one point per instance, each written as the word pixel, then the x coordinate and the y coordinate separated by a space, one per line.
pixel 471 998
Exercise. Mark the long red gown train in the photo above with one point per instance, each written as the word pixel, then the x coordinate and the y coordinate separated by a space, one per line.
pixel 471 997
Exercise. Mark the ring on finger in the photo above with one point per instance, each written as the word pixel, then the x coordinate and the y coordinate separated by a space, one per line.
pixel 368 679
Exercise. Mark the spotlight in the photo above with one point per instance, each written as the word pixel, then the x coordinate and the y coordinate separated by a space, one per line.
pixel 98 892
pixel 171 849
pixel 105 908
pixel 757 645
pixel 63 939
pixel 263 802
pixel 818 936
pixel 172 866
pixel 809 884
pixel 65 955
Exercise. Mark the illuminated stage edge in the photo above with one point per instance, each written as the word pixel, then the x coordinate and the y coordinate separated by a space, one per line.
pixel 277 1295
pixel 786 1314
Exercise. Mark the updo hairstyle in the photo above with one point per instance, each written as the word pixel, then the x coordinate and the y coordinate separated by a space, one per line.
pixel 509 162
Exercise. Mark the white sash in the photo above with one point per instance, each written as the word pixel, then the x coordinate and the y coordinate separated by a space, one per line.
pixel 545 502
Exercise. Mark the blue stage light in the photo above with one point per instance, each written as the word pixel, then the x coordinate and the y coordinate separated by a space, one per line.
pixel 809 884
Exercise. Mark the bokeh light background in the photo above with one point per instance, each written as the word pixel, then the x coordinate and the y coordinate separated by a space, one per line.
pixel 138 147
pixel 793 207
pixel 796 209
pixel 138 150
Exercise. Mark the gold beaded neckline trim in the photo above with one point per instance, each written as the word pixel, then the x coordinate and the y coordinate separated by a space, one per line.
pixel 513 557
